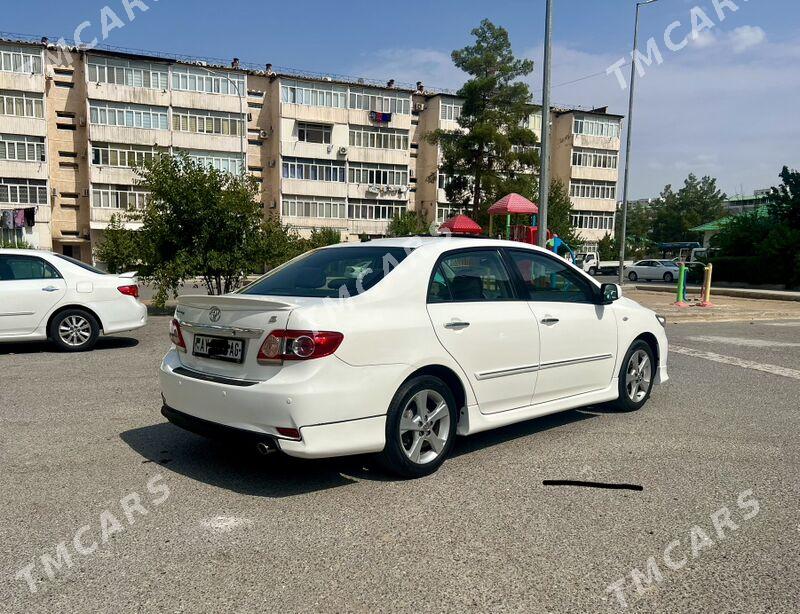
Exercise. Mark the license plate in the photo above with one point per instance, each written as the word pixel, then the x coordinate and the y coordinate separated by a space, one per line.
pixel 219 348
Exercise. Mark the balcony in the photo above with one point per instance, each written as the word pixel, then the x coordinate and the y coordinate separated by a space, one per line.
pixel 23 170
pixel 599 174
pixel 23 125
pixel 207 142
pixel 100 218
pixel 212 102
pixel 135 136
pixel 596 142
pixel 115 175
pixel 127 94
pixel 303 187
pixel 21 82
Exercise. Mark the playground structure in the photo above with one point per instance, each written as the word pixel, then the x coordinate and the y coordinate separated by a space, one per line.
pixel 515 204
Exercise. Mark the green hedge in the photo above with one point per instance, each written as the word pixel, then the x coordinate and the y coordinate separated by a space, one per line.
pixel 752 270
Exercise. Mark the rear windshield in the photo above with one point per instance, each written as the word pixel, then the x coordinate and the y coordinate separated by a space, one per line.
pixel 334 272
pixel 80 264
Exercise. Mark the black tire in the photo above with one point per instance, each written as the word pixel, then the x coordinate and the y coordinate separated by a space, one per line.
pixel 394 456
pixel 592 271
pixel 626 402
pixel 85 327
pixel 633 276
pixel 668 277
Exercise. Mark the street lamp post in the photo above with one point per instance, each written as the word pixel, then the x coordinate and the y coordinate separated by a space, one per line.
pixel 544 175
pixel 624 220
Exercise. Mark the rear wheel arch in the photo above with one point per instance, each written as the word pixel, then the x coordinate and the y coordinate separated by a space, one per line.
pixel 63 308
pixel 449 377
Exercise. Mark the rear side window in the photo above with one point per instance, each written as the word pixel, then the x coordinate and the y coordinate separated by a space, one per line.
pixel 466 276
pixel 547 278
pixel 15 268
pixel 333 272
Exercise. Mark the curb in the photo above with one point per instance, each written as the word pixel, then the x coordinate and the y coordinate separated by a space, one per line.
pixel 769 295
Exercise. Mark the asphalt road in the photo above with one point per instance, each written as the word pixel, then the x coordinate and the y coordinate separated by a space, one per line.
pixel 238 532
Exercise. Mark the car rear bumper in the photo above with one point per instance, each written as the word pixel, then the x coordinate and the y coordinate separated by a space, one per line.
pixel 334 411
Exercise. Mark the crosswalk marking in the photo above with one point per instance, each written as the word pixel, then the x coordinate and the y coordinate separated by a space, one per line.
pixel 739 362
pixel 753 343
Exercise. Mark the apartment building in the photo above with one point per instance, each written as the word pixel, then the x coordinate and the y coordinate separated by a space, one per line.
pixel 328 153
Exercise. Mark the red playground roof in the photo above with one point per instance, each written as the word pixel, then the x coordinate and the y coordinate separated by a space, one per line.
pixel 513 203
pixel 462 225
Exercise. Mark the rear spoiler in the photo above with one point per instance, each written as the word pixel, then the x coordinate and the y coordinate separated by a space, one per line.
pixel 128 274
pixel 233 301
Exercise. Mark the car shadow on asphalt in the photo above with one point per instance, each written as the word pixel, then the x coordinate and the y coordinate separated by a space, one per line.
pixel 241 469
pixel 244 471
pixel 45 347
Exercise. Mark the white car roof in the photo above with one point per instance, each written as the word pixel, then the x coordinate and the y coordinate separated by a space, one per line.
pixel 26 252
pixel 441 244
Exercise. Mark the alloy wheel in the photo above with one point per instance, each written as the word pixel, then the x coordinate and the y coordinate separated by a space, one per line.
pixel 424 426
pixel 637 375
pixel 75 330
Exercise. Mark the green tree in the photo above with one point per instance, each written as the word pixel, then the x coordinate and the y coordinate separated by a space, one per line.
pixel 198 221
pixel 785 199
pixel 322 237
pixel 559 214
pixel 492 152
pixel 408 223
pixel 607 248
pixel 638 230
pixel 119 247
pixel 674 213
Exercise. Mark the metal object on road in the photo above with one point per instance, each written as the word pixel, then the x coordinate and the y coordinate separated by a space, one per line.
pixel 705 299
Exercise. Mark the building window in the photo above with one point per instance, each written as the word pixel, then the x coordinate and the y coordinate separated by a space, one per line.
pixel 118 197
pixel 23 192
pixel 220 160
pixel 378 138
pixel 365 209
pixel 188 79
pixel 314 94
pixel 105 154
pixel 378 174
pixel 207 122
pixel 381 101
pixel 594 158
pixel 13 59
pixel 21 104
pixel 22 148
pixel 593 220
pixel 533 121
pixel 313 170
pixel 450 111
pixel 313 206
pixel 580 188
pixel 127 72
pixel 314 133
pixel 445 211
pixel 129 116
pixel 596 126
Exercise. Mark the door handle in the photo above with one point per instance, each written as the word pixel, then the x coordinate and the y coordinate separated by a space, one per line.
pixel 50 288
pixel 549 320
pixel 458 325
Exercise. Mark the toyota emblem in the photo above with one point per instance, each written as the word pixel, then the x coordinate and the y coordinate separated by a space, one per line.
pixel 214 313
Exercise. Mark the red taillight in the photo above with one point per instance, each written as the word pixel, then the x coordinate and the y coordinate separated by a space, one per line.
pixel 132 290
pixel 287 432
pixel 298 345
pixel 175 335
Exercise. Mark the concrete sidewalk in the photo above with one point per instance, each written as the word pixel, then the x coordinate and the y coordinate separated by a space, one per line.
pixel 770 295
pixel 725 309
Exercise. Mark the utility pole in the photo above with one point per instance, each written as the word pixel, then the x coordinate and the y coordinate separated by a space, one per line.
pixel 544 176
pixel 624 229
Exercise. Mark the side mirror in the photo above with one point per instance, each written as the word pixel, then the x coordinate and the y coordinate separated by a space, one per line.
pixel 609 293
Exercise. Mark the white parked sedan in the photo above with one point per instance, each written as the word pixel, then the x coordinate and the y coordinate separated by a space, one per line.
pixel 44 295
pixel 433 337
pixel 666 270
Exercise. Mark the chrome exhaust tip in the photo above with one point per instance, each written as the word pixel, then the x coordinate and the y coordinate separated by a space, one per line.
pixel 265 449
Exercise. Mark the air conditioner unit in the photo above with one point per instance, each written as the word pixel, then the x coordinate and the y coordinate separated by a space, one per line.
pixel 264 134
pixel 82 121
pixel 343 151
pixel 86 192
pixel 419 106
pixel 411 172
pixel 271 163
pixel 373 188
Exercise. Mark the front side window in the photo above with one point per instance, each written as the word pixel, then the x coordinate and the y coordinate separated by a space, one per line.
pixel 546 278
pixel 333 272
pixel 467 276
pixel 15 268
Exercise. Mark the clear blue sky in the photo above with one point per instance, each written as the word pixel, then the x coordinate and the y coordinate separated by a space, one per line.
pixel 723 105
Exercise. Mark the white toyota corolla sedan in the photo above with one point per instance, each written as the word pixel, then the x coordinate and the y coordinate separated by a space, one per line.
pixel 44 295
pixel 395 346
